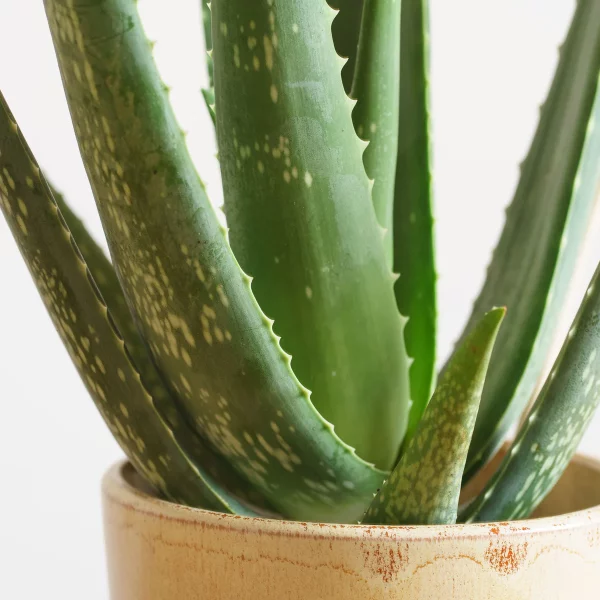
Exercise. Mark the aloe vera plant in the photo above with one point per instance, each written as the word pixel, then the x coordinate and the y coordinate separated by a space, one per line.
pixel 286 364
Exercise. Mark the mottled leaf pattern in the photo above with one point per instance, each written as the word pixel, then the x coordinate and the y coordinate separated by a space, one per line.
pixel 89 334
pixel 425 486
pixel 193 303
pixel 107 281
pixel 375 116
pixel 549 437
pixel 545 226
pixel 174 343
pixel 414 256
pixel 301 220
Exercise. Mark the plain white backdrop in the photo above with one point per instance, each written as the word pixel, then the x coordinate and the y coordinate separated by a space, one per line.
pixel 491 66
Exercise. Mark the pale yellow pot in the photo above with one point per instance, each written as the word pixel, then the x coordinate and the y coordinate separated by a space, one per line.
pixel 162 551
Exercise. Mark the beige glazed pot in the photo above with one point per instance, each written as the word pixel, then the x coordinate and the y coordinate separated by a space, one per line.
pixel 162 551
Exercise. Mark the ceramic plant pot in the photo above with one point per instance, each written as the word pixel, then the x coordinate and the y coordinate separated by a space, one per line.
pixel 162 551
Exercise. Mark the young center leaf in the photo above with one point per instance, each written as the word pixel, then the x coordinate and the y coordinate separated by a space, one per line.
pixel 425 485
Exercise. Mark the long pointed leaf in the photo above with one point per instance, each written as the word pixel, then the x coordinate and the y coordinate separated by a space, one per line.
pixel 551 434
pixel 108 284
pixel 414 256
pixel 425 486
pixel 89 334
pixel 545 225
pixel 195 307
pixel 375 116
pixel 302 222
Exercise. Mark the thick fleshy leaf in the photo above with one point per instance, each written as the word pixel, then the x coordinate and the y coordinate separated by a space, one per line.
pixel 193 303
pixel 545 227
pixel 298 203
pixel 375 116
pixel 90 335
pixel 346 33
pixel 414 255
pixel 551 434
pixel 425 485
pixel 108 284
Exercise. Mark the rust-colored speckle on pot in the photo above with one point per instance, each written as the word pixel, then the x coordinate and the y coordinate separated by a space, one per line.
pixel 506 558
pixel 161 551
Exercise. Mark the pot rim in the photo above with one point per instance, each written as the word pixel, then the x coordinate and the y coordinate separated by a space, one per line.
pixel 118 488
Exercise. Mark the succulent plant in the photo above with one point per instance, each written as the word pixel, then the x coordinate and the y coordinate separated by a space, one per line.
pixel 185 337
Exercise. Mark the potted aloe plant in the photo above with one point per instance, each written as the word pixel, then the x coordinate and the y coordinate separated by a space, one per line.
pixel 273 384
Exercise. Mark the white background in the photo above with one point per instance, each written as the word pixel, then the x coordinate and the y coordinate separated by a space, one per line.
pixel 491 65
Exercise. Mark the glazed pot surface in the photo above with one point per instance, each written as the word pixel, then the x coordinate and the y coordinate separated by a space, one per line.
pixel 162 551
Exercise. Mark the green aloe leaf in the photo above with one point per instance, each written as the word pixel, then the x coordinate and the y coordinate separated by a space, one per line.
pixel 414 256
pixel 551 434
pixel 425 486
pixel 298 203
pixel 86 327
pixel 207 26
pixel 544 230
pixel 209 93
pixel 375 116
pixel 105 277
pixel 346 32
pixel 193 303
pixel 209 100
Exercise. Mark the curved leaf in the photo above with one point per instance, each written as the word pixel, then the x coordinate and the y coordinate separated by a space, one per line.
pixel 107 281
pixel 551 434
pixel 533 262
pixel 425 486
pixel 89 334
pixel 302 222
pixel 414 255
pixel 193 303
pixel 375 116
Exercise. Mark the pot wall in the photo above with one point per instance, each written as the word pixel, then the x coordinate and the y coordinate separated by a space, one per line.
pixel 162 551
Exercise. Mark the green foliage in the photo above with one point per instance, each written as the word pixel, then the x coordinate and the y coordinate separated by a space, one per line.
pixel 292 371
pixel 375 116
pixel 545 227
pixel 413 250
pixel 425 485
pixel 80 315
pixel 346 32
pixel 301 219
pixel 554 427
